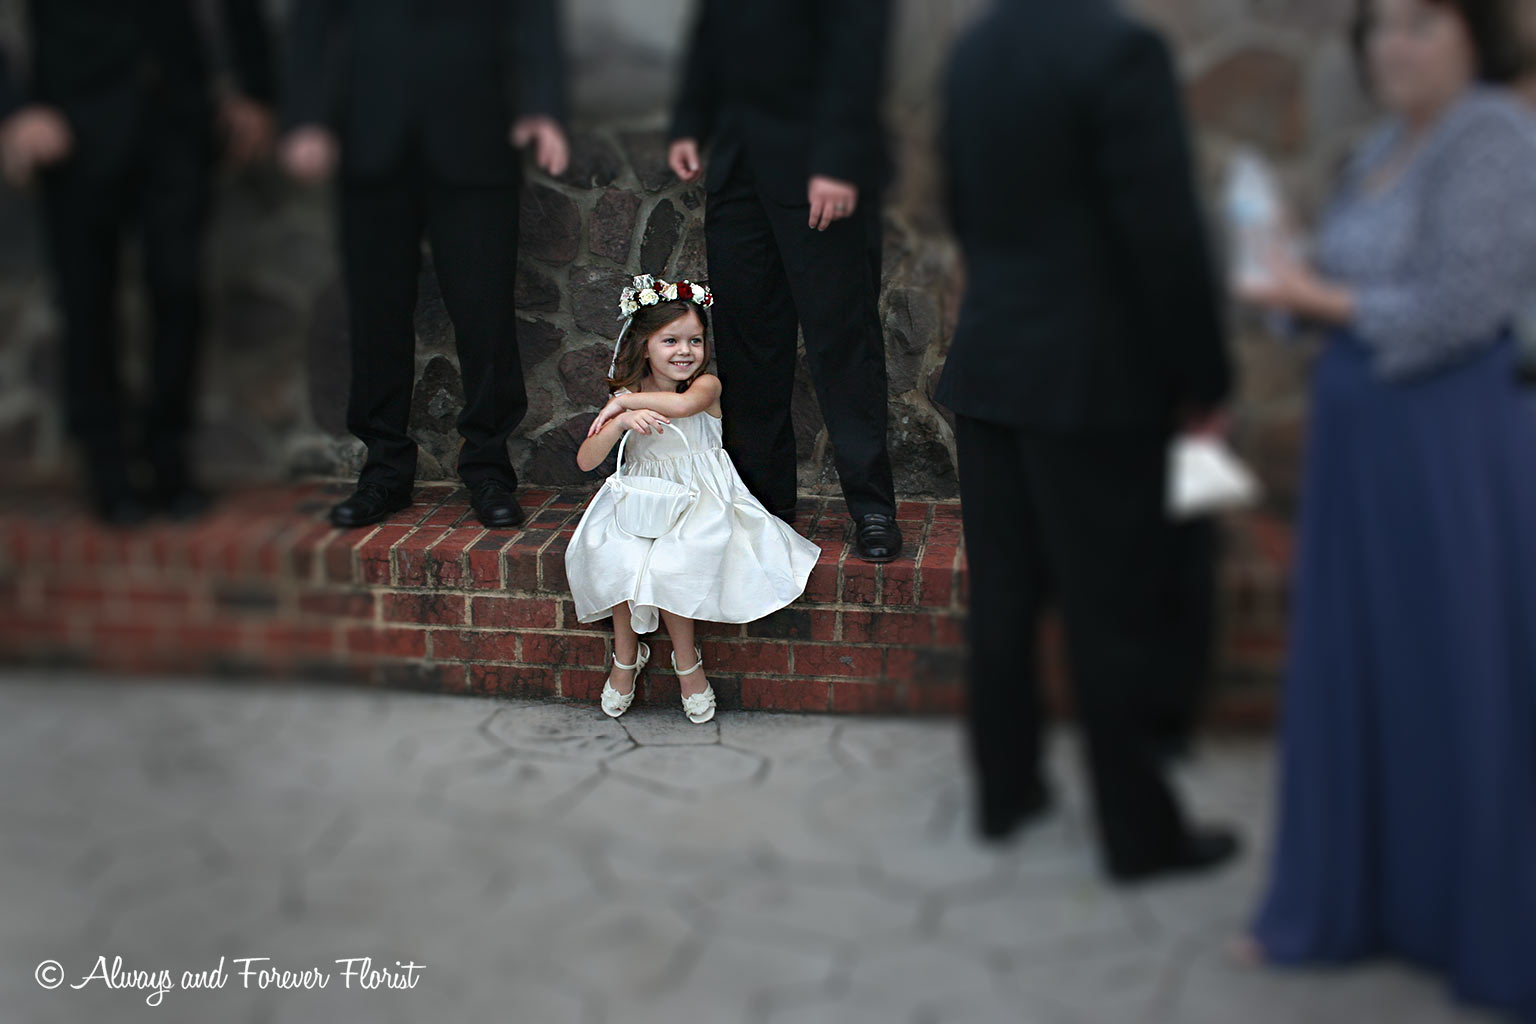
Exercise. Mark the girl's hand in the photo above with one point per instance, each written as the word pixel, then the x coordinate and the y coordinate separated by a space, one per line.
pixel 643 421
pixel 612 409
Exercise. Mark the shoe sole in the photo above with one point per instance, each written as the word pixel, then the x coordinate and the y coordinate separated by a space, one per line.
pixel 372 520
pixel 501 526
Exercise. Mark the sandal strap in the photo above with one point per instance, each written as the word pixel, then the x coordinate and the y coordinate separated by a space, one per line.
pixel 696 665
pixel 638 658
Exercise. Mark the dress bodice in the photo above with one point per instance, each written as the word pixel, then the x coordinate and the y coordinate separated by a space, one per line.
pixel 702 431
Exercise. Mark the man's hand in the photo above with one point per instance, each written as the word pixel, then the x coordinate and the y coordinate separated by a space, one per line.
pixel 551 151
pixel 831 200
pixel 1206 422
pixel 34 137
pixel 248 128
pixel 683 157
pixel 309 154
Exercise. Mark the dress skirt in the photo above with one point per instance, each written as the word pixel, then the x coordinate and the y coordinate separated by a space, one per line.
pixel 728 559
pixel 1408 790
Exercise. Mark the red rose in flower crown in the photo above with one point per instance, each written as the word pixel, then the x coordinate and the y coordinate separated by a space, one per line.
pixel 647 290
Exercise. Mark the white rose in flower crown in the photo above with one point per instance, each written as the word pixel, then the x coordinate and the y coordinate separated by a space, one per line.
pixel 644 282
pixel 670 293
pixel 629 307
pixel 648 297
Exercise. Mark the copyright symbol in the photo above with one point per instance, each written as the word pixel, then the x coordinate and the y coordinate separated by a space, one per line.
pixel 49 974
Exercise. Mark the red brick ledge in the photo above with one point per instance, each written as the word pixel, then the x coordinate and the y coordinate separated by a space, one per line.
pixel 430 599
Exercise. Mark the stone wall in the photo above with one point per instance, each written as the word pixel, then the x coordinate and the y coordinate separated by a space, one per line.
pixel 1274 72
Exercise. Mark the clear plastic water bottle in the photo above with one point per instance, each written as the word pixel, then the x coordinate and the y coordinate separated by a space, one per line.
pixel 1254 214
pixel 1256 230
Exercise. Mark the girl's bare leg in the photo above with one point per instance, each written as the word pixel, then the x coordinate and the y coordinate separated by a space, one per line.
pixel 681 632
pixel 626 647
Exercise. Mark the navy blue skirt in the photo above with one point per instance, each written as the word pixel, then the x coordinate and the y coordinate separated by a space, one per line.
pixel 1408 756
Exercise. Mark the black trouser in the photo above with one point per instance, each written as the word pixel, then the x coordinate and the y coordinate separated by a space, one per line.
pixel 1081 520
pixel 145 162
pixel 1191 603
pixel 473 232
pixel 772 272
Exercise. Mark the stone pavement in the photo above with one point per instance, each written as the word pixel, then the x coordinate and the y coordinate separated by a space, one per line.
pixel 548 865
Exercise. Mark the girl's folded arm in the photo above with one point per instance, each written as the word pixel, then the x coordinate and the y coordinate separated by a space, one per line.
pixel 701 395
pixel 596 448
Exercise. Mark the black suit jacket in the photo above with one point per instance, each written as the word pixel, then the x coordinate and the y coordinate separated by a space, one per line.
pixel 792 86
pixel 445 78
pixel 95 60
pixel 1092 302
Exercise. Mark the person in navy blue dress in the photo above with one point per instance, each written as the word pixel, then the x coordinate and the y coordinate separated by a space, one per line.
pixel 1407 820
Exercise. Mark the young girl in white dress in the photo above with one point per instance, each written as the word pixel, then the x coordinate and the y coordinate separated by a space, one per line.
pixel 727 558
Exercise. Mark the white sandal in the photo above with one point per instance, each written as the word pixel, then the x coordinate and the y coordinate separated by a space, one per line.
pixel 700 707
pixel 614 702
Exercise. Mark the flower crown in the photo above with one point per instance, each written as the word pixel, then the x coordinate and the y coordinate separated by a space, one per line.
pixel 651 291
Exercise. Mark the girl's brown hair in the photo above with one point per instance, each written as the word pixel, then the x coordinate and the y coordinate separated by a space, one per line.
pixel 632 364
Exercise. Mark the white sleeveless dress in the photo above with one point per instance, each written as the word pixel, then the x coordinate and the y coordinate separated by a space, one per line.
pixel 728 559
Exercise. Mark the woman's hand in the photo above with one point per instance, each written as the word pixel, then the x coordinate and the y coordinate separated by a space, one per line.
pixel 1286 287
pixel 1293 287
pixel 642 421
pixel 614 407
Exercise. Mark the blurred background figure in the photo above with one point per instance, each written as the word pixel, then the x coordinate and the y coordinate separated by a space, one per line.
pixel 1409 743
pixel 1525 41
pixel 120 119
pixel 425 105
pixel 1089 334
pixel 786 94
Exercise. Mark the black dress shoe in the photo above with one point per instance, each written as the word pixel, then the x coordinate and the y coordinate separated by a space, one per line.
pixel 173 492
pixel 495 504
pixel 369 503
pixel 877 537
pixel 114 491
pixel 1202 850
pixel 1000 824
pixel 180 500
pixel 122 508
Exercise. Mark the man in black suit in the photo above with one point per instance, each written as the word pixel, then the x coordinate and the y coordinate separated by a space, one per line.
pixel 1090 332
pixel 119 120
pixel 786 94
pixel 428 102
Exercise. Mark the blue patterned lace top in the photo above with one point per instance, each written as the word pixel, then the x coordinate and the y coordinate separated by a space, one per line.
pixel 1443 257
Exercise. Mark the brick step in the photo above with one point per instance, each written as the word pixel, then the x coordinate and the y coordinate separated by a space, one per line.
pixel 265 587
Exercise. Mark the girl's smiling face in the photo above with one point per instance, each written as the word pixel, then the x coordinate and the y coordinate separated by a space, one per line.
pixel 677 351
